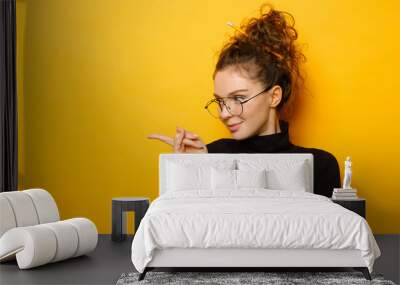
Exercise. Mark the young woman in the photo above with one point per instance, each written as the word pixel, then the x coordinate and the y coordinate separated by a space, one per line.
pixel 255 79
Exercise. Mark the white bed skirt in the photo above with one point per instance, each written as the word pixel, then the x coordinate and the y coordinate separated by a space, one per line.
pixel 252 257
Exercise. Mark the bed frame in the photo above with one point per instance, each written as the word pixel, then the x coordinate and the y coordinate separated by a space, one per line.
pixel 247 259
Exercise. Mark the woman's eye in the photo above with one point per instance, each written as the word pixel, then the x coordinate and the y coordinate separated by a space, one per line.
pixel 239 98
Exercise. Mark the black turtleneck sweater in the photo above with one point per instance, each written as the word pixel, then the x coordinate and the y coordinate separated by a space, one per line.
pixel 326 168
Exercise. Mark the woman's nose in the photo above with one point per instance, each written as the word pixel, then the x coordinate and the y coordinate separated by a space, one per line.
pixel 224 112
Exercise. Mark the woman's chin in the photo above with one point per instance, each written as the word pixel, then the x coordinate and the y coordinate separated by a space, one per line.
pixel 238 135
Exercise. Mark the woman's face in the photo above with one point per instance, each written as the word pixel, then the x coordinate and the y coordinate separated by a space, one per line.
pixel 256 116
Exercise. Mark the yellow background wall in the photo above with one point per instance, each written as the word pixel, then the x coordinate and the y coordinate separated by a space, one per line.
pixel 96 76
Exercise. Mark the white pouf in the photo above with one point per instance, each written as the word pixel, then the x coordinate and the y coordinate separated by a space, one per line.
pixel 31 232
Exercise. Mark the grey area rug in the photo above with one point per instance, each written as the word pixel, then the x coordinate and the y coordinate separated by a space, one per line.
pixel 225 278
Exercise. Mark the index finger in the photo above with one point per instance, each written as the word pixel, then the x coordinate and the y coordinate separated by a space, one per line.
pixel 191 134
pixel 163 138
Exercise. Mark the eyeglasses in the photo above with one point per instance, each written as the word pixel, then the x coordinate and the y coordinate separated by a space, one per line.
pixel 234 104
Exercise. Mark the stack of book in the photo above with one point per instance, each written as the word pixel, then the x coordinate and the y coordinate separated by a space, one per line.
pixel 344 194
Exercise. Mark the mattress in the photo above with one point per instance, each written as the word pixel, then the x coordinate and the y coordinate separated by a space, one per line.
pixel 250 219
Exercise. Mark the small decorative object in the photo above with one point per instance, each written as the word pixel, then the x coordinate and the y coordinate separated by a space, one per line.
pixel 347 173
pixel 347 192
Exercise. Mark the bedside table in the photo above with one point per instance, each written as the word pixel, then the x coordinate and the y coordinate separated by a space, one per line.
pixel 355 205
pixel 120 206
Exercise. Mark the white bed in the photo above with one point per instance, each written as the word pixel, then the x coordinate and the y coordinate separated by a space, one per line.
pixel 202 221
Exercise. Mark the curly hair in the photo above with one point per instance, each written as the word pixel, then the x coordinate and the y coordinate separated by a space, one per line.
pixel 267 43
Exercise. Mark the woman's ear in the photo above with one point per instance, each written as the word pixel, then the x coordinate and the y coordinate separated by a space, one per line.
pixel 276 96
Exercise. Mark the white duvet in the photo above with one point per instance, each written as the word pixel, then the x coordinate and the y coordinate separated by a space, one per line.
pixel 251 218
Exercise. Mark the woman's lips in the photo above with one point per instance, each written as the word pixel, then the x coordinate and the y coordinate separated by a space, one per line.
pixel 234 128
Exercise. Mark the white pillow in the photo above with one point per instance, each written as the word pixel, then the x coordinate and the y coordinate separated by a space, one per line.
pixel 183 174
pixel 251 178
pixel 236 179
pixel 281 175
pixel 288 179
pixel 223 179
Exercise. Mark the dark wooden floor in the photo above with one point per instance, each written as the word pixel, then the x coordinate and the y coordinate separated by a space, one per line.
pixel 111 259
pixel 102 266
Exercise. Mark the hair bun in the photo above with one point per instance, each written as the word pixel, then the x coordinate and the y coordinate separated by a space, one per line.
pixel 272 33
